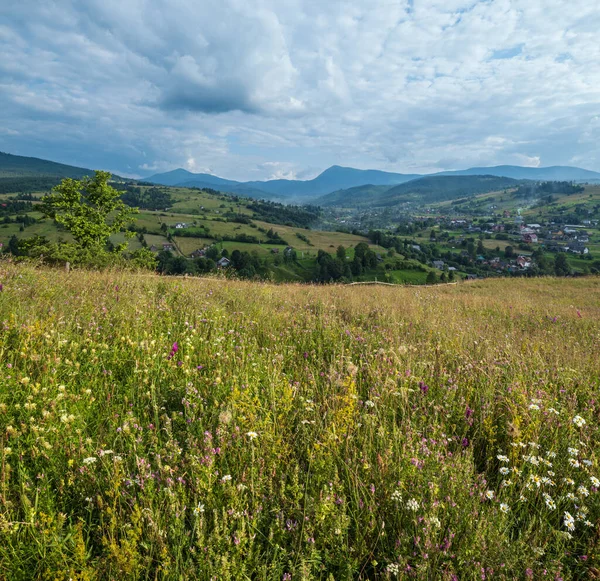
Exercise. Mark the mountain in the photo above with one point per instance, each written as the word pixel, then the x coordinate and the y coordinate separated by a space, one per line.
pixel 332 179
pixel 427 189
pixel 16 166
pixel 180 176
pixel 554 173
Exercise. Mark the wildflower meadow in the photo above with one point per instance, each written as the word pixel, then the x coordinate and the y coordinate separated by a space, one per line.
pixel 209 429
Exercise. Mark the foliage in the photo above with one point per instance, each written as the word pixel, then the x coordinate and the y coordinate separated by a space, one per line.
pixel 90 209
pixel 148 199
pixel 178 429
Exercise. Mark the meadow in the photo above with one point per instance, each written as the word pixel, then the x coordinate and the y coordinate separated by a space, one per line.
pixel 173 428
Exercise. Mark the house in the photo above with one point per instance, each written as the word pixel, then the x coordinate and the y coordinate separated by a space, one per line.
pixel 275 250
pixel 168 247
pixel 471 276
pixel 523 262
pixel 578 248
pixel 530 238
pixel 153 248
pixel 534 226
pixel 439 264
pixel 180 225
pixel 223 262
pixel 415 247
pixel 199 253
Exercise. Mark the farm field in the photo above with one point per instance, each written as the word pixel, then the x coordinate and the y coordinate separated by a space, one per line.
pixel 167 428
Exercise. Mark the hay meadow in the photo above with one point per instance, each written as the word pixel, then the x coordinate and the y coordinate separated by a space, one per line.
pixel 163 428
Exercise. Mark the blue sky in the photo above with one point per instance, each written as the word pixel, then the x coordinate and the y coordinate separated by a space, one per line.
pixel 260 89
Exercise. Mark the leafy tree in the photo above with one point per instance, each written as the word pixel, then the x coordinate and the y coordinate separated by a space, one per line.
pixel 90 209
pixel 431 278
pixel 341 252
pixel 561 266
pixel 509 252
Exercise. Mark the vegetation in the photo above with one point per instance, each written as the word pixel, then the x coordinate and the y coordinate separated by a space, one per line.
pixel 158 428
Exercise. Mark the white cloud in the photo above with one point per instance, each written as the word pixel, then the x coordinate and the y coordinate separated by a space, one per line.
pixel 232 84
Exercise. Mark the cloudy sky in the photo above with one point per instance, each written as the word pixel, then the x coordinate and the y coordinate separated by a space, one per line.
pixel 257 89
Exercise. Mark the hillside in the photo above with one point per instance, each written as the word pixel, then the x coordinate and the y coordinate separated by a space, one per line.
pixel 229 430
pixel 13 166
pixel 425 190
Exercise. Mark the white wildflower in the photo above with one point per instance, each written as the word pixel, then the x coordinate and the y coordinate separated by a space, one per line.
pixel 572 451
pixel 503 458
pixel 489 495
pixel 595 482
pixel 413 505
pixel 569 521
pixel 226 478
pixel 89 460
pixel 504 470
pixel 504 507
pixel 579 421
pixel 583 491
pixel 252 435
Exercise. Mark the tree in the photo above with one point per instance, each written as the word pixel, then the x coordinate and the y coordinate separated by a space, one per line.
pixel 341 252
pixel 509 252
pixel 431 278
pixel 90 209
pixel 561 266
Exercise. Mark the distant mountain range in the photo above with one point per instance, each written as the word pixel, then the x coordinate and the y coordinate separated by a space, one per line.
pixel 335 186
pixel 338 179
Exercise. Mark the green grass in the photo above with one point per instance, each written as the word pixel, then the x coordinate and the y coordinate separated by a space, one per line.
pixel 164 428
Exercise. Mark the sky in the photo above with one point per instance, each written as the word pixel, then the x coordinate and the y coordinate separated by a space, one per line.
pixel 263 89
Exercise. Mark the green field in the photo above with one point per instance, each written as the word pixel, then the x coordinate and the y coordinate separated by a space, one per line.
pixel 170 428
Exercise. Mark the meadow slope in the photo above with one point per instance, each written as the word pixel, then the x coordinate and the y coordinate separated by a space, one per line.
pixel 162 428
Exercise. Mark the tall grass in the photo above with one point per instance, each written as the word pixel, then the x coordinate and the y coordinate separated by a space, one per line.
pixel 204 429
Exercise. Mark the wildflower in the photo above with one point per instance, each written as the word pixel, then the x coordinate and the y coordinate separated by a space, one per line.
pixel 595 482
pixel 465 442
pixel 252 435
pixel 587 523
pixel 583 491
pixel 534 445
pixel 534 407
pixel 504 507
pixel 504 470
pixel 553 411
pixel 434 521
pixel 226 478
pixel 549 502
pixel 535 479
pixel 413 505
pixel 572 451
pixel 489 495
pixel 574 462
pixel 117 459
pixel 393 569
pixel 503 458
pixel 550 454
pixel 579 421
pixel 571 496
pixel 397 496
pixel 569 481
pixel 587 462
pixel 423 387
pixel 569 521
pixel 506 483
pixel 199 509
pixel 369 404
pixel 174 350
pixel 89 460
pixel 522 498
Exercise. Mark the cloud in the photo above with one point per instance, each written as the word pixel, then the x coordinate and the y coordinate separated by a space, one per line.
pixel 237 84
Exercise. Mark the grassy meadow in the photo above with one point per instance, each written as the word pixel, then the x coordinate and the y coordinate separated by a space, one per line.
pixel 164 428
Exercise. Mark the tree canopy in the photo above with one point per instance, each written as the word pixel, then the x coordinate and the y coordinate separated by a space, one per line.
pixel 90 209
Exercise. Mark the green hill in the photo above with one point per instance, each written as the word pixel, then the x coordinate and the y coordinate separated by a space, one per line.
pixel 425 190
pixel 14 166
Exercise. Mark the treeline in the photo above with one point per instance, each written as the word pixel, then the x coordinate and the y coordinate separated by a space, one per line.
pixel 529 190
pixel 147 199
pixel 11 185
pixel 11 207
pixel 272 212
